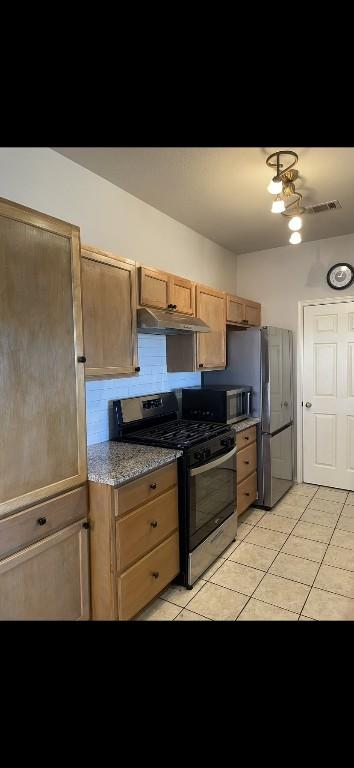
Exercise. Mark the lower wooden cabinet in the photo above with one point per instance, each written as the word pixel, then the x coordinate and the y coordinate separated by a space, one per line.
pixel 134 542
pixel 246 468
pixel 49 579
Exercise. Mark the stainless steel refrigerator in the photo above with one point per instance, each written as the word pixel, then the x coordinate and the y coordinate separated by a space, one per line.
pixel 262 358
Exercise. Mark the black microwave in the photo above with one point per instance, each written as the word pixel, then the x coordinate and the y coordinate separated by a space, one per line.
pixel 227 404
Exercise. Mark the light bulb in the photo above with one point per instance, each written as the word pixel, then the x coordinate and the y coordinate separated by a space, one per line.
pixel 278 206
pixel 295 223
pixel 275 187
pixel 295 238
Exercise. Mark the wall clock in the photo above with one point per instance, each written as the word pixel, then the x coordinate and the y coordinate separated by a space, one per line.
pixel 340 276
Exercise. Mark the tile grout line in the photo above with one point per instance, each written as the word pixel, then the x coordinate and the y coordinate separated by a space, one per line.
pixel 321 563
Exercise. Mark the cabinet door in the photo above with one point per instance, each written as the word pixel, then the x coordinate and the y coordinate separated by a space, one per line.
pixel 182 294
pixel 235 310
pixel 154 288
pixel 252 313
pixel 211 347
pixel 109 314
pixel 42 435
pixel 48 580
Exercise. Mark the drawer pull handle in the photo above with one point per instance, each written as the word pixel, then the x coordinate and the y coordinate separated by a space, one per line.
pixel 156 574
pixel 152 486
pixel 42 520
pixel 247 493
pixel 246 438
pixel 153 524
pixel 246 462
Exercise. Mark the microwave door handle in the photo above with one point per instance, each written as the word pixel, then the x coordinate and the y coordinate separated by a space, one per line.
pixel 248 403
pixel 212 464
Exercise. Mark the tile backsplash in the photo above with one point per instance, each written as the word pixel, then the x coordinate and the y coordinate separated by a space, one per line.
pixel 153 377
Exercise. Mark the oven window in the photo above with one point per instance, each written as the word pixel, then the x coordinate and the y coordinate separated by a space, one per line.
pixel 212 498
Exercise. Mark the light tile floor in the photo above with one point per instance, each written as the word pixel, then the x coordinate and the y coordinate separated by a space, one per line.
pixel 293 563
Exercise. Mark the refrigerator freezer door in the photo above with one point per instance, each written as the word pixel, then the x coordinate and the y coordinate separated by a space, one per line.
pixel 276 378
pixel 276 465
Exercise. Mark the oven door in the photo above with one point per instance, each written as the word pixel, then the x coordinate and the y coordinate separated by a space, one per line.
pixel 212 496
pixel 238 406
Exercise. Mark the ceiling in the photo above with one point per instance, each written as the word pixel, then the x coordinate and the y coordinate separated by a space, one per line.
pixel 221 192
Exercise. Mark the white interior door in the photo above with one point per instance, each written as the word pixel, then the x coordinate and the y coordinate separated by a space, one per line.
pixel 328 395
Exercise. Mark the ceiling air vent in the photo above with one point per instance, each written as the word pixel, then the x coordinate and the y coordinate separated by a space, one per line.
pixel 321 207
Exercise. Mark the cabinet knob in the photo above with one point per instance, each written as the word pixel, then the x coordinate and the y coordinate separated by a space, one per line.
pixel 86 526
pixel 174 306
pixel 153 523
pixel 246 438
pixel 246 462
pixel 245 321
pixel 137 368
pixel 152 486
pixel 81 359
pixel 42 520
pixel 201 365
pixel 156 574
pixel 247 493
pixel 169 306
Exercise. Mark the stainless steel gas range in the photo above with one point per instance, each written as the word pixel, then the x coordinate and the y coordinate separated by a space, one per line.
pixel 206 474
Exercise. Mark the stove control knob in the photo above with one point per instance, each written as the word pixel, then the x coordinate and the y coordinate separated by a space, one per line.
pixel 198 456
pixel 225 441
pixel 207 453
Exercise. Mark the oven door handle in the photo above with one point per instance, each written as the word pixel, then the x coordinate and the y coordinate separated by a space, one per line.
pixel 212 464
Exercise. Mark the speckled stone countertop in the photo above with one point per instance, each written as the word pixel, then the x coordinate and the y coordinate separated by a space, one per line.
pixel 115 463
pixel 241 425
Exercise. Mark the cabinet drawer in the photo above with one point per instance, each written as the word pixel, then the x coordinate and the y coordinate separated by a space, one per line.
pixel 246 493
pixel 246 437
pixel 246 461
pixel 144 580
pixel 23 529
pixel 142 530
pixel 136 493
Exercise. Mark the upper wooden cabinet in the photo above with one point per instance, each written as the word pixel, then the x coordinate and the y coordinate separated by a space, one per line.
pixel 42 434
pixel 162 290
pixel 201 351
pixel 109 313
pixel 211 347
pixel 182 295
pixel 153 288
pixel 242 311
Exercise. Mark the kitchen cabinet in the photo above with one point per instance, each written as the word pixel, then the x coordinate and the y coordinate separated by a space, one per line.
pixel 162 290
pixel 134 542
pixel 211 347
pixel 201 351
pixel 109 313
pixel 246 442
pixel 153 288
pixel 44 560
pixel 182 295
pixel 42 435
pixel 242 311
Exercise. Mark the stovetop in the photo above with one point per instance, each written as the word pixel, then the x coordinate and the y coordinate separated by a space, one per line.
pixel 178 433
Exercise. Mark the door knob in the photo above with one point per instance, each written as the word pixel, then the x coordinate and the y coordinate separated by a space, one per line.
pixel 308 405
pixel 286 403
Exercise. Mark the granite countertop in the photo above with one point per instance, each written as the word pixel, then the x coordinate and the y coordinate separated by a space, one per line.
pixel 241 425
pixel 115 463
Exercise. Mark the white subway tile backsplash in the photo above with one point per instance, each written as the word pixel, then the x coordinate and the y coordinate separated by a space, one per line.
pixel 153 377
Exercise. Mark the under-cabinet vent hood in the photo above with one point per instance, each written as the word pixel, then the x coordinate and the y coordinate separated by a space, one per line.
pixel 162 321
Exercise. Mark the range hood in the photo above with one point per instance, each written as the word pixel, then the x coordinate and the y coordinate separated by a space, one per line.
pixel 164 322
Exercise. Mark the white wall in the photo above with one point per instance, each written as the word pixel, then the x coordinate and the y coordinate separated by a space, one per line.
pixel 280 277
pixel 112 219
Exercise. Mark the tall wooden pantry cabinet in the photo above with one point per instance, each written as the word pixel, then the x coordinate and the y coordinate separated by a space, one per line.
pixel 43 471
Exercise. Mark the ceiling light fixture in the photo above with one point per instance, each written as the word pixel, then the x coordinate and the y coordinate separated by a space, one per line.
pixel 283 186
pixel 278 205
pixel 295 238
